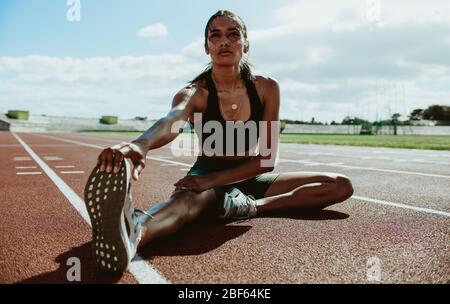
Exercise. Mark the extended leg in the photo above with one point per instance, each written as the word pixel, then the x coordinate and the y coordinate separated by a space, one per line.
pixel 170 215
pixel 305 190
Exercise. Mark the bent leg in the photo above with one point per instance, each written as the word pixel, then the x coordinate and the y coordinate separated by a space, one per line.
pixel 304 190
pixel 169 216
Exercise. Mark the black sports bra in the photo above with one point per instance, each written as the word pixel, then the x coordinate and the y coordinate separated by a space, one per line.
pixel 244 135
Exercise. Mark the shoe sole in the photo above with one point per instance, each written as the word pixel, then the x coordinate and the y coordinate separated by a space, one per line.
pixel 105 199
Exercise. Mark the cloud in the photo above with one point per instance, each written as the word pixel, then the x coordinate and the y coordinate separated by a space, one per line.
pixel 128 85
pixel 329 58
pixel 348 15
pixel 154 30
pixel 332 59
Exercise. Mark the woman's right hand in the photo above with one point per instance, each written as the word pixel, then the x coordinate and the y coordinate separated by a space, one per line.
pixel 111 158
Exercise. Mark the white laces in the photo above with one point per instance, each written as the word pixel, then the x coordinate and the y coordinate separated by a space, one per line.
pixel 244 206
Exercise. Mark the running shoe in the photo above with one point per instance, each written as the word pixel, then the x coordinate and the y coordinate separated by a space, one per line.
pixel 238 206
pixel 116 225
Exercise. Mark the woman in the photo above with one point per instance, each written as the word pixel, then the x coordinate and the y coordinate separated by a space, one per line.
pixel 239 185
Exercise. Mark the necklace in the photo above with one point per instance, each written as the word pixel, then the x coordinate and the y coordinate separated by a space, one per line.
pixel 234 106
pixel 229 91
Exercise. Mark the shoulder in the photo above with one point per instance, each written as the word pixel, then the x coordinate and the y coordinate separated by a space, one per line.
pixel 193 94
pixel 267 87
pixel 265 80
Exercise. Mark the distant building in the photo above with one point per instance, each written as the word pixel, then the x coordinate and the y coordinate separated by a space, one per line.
pixel 423 122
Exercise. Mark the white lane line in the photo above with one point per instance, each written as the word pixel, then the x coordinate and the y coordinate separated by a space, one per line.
pixel 26 167
pixel 50 146
pixel 368 157
pixel 162 156
pixel 64 167
pixel 141 269
pixel 311 164
pixel 73 198
pixel 72 172
pixel 339 150
pixel 51 158
pixel 168 165
pixel 419 209
pixel 100 147
pixel 307 163
pixel 28 173
pixel 362 150
pixel 366 168
pixel 21 158
pixel 114 140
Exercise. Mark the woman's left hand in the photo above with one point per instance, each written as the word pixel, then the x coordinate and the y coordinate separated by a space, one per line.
pixel 196 183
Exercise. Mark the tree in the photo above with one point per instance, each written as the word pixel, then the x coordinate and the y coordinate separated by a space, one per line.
pixel 416 114
pixel 347 120
pixel 437 112
pixel 394 121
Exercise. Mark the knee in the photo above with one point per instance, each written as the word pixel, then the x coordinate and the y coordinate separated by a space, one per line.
pixel 345 186
pixel 182 200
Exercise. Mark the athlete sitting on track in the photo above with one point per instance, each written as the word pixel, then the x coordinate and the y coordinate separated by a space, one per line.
pixel 237 186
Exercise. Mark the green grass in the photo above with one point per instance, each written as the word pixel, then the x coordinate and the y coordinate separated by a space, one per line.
pixel 388 141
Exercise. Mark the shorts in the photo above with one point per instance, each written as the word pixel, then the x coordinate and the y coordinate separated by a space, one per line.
pixel 256 186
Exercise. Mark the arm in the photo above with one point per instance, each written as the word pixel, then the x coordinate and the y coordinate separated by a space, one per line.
pixel 162 132
pixel 268 143
pixel 167 128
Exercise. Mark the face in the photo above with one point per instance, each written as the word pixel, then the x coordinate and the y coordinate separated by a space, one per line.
pixel 225 43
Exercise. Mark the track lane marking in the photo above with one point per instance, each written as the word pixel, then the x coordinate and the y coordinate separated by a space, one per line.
pixel 420 209
pixel 72 172
pixel 362 198
pixel 100 147
pixel 52 158
pixel 338 149
pixel 21 158
pixel 28 173
pixel 141 269
pixel 365 168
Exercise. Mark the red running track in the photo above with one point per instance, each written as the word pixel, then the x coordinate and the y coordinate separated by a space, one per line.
pixel 41 230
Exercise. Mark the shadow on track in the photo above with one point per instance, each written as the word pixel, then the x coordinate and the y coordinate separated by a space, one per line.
pixel 194 239
pixel 207 235
pixel 89 273
pixel 309 215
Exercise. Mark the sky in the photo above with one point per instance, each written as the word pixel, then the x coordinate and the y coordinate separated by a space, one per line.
pixel 88 58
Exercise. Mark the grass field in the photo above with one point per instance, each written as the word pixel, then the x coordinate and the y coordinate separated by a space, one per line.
pixel 388 141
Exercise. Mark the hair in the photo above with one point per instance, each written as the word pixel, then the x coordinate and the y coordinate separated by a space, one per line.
pixel 245 65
